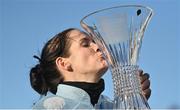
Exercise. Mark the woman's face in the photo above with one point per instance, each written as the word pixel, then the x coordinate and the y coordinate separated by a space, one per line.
pixel 85 56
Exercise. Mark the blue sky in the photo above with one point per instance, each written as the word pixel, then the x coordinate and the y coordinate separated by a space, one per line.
pixel 25 25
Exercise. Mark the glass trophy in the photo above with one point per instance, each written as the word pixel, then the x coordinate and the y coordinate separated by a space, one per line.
pixel 119 32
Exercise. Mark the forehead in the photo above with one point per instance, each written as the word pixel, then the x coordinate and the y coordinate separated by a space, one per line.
pixel 78 35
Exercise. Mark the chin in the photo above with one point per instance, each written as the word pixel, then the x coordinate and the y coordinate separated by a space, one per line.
pixel 104 69
pixel 104 64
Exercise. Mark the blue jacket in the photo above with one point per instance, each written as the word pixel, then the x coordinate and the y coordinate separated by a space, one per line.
pixel 69 97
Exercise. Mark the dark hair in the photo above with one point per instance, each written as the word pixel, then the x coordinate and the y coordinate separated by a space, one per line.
pixel 45 76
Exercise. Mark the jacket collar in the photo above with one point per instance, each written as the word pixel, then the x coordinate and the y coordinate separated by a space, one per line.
pixel 73 93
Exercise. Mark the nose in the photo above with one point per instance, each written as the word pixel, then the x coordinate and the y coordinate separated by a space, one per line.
pixel 95 47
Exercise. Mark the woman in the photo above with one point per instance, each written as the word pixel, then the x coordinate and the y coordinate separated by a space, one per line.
pixel 69 73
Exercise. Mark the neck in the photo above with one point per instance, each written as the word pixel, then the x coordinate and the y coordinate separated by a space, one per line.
pixel 82 78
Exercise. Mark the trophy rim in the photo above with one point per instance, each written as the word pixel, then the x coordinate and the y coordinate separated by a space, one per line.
pixel 89 29
pixel 119 6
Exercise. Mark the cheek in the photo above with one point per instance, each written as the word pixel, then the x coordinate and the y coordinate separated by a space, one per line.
pixel 84 55
pixel 79 59
pixel 84 62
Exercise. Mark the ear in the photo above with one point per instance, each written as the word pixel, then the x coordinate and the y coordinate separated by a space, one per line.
pixel 63 64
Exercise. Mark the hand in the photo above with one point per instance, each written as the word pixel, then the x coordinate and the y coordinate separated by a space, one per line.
pixel 145 83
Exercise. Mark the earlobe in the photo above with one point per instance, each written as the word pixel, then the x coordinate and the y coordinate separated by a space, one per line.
pixel 68 67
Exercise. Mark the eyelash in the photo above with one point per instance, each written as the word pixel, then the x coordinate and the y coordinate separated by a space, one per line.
pixel 86 43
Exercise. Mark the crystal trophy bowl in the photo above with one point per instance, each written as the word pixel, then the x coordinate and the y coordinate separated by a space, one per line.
pixel 119 31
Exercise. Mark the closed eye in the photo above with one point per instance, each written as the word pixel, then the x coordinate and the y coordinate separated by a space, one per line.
pixel 85 42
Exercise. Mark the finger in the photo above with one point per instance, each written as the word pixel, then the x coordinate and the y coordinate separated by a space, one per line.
pixel 147 93
pixel 146 84
pixel 140 72
pixel 144 77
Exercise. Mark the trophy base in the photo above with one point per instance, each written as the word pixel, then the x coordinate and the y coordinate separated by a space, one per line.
pixel 127 88
pixel 133 101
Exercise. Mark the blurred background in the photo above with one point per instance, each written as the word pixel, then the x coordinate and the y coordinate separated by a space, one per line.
pixel 25 26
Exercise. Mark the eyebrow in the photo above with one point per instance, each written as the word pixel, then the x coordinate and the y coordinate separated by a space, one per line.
pixel 85 39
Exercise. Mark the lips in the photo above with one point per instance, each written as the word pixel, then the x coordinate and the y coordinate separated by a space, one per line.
pixel 101 56
pixel 102 60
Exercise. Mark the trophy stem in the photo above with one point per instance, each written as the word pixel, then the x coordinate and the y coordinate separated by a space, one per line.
pixel 127 88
